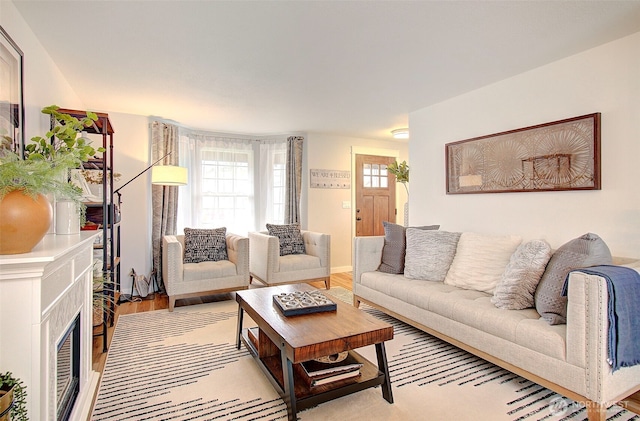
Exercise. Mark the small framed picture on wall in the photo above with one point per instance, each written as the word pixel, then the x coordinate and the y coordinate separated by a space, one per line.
pixel 11 94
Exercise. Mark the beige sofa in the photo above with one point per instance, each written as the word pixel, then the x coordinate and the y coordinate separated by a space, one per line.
pixel 570 359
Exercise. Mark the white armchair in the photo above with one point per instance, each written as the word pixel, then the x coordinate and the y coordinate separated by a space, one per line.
pixel 267 266
pixel 184 280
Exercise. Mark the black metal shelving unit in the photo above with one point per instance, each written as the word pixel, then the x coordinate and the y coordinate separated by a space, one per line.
pixel 108 218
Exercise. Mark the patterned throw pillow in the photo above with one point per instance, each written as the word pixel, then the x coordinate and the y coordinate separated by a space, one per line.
pixel 429 254
pixel 205 245
pixel 394 249
pixel 521 277
pixel 587 250
pixel 290 237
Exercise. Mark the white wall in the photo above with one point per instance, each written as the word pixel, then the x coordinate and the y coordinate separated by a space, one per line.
pixel 605 79
pixel 43 83
pixel 132 155
pixel 322 208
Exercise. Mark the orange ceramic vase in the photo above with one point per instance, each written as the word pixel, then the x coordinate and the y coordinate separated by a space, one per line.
pixel 24 221
pixel 6 401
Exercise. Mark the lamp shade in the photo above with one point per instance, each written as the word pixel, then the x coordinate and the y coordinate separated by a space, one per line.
pixel 168 175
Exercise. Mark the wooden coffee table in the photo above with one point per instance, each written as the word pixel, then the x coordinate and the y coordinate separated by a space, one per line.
pixel 281 342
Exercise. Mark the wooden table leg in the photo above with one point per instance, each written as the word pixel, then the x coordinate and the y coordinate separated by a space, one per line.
pixel 384 368
pixel 239 335
pixel 289 389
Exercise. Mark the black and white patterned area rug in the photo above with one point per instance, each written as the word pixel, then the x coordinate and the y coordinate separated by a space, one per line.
pixel 184 365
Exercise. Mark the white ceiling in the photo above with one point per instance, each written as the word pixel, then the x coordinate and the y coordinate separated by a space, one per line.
pixel 353 68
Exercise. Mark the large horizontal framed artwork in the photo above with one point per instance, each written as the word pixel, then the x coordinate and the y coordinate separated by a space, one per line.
pixel 556 156
pixel 11 94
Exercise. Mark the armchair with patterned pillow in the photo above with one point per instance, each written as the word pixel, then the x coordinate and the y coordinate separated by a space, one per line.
pixel 285 255
pixel 204 262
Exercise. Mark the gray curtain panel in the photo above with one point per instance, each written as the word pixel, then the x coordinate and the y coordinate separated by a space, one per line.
pixel 293 185
pixel 164 139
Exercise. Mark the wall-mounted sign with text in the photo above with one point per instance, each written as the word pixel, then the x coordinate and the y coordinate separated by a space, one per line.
pixel 330 179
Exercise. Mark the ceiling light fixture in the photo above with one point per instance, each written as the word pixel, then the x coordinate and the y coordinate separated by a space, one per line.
pixel 400 133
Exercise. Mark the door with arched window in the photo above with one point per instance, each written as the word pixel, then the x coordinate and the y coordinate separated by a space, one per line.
pixel 375 194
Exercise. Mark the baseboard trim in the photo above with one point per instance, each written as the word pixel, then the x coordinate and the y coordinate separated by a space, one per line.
pixel 341 269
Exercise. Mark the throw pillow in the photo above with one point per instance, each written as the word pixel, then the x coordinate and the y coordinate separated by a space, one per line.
pixel 393 251
pixel 290 237
pixel 480 260
pixel 587 250
pixel 429 253
pixel 205 245
pixel 521 277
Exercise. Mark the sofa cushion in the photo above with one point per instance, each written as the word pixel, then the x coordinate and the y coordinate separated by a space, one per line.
pixel 471 308
pixel 429 253
pixel 480 260
pixel 481 314
pixel 290 238
pixel 396 286
pixel 393 251
pixel 292 262
pixel 537 335
pixel 584 251
pixel 205 245
pixel 208 270
pixel 521 277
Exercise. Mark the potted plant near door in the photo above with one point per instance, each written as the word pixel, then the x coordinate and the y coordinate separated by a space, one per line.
pixel 25 212
pixel 13 398
pixel 401 171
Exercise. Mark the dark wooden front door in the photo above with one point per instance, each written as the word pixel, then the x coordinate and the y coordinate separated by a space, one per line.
pixel 375 194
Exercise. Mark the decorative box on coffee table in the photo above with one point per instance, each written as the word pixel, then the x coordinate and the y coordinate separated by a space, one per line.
pixel 303 302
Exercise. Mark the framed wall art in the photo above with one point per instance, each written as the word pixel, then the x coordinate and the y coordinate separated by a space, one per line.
pixel 11 94
pixel 556 156
pixel 330 179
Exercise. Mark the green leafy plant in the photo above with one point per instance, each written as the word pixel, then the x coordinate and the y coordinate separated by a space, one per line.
pixel 401 171
pixel 19 410
pixel 66 143
pixel 45 167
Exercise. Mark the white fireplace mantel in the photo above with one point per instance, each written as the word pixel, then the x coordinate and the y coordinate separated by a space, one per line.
pixel 41 293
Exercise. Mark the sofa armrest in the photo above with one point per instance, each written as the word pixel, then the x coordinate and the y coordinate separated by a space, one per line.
pixel 172 261
pixel 238 252
pixel 587 338
pixel 265 254
pixel 633 264
pixel 319 245
pixel 367 255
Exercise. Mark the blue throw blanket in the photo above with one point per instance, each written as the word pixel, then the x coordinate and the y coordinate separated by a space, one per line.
pixel 623 285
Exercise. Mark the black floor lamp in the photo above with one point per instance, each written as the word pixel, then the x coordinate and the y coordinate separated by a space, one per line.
pixel 163 175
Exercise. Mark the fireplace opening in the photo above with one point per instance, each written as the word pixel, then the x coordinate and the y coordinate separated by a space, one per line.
pixel 68 370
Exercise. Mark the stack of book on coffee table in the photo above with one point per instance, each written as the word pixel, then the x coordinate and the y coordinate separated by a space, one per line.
pixel 321 373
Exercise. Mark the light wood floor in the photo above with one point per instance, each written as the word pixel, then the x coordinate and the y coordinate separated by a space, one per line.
pixel 161 302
